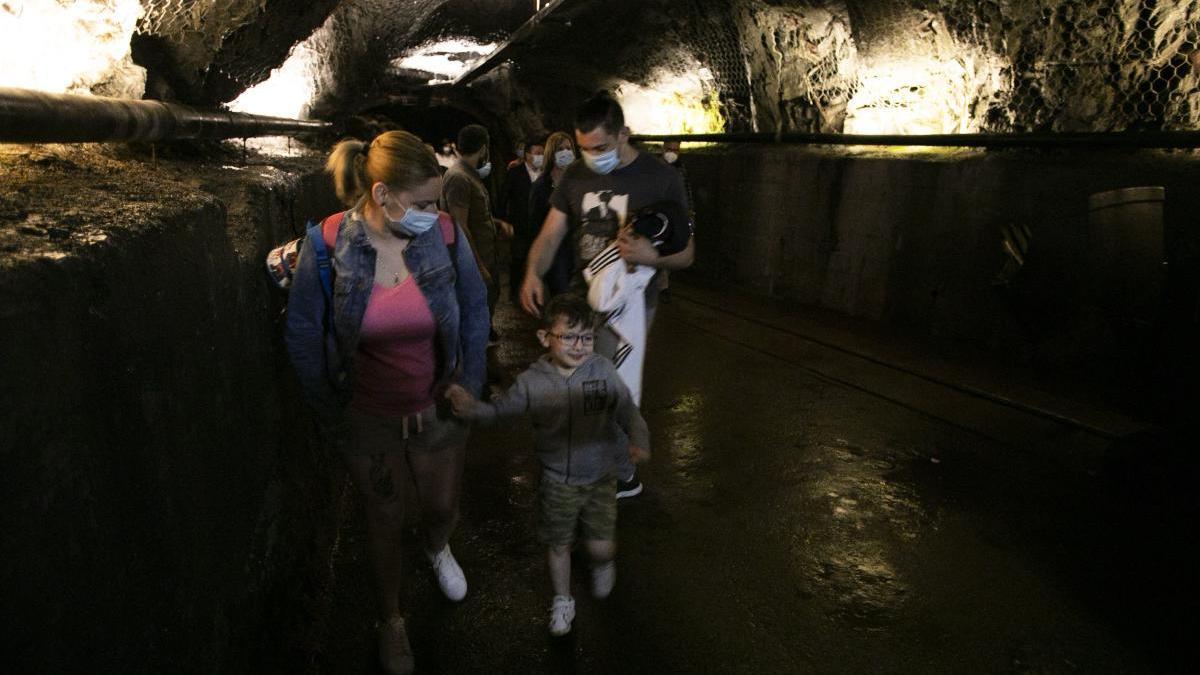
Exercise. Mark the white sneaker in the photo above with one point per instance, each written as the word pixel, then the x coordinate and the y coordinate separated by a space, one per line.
pixel 395 654
pixel 603 578
pixel 449 574
pixel 562 613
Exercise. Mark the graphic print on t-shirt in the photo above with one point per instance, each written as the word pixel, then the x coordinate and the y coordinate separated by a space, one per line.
pixel 603 213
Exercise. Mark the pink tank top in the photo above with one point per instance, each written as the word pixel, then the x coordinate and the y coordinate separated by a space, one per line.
pixel 394 366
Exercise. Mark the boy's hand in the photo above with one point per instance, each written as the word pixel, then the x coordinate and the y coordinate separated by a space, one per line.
pixel 461 400
pixel 638 454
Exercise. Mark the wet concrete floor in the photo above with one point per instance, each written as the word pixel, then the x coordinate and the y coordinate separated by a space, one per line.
pixel 792 524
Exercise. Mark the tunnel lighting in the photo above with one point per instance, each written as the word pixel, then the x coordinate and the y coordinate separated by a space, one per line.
pixel 675 103
pixel 290 89
pixel 70 47
pixel 445 60
pixel 920 96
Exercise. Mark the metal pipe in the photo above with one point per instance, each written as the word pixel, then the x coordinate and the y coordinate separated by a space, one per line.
pixel 554 8
pixel 28 116
pixel 1136 139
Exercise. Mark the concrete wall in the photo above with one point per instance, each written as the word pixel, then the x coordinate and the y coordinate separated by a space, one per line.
pixel 164 509
pixel 914 240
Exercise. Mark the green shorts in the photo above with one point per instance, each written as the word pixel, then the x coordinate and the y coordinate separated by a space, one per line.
pixel 593 507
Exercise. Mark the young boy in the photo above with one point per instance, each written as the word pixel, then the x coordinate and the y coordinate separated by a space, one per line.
pixel 582 413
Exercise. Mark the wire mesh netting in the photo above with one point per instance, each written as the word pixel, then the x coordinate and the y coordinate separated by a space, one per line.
pixel 954 67
pixel 904 66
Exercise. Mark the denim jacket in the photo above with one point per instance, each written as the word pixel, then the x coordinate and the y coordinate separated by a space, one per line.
pixel 324 360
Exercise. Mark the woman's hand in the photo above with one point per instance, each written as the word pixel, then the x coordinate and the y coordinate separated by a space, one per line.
pixel 461 400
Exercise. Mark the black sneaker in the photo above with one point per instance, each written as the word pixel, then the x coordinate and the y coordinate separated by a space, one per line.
pixel 629 488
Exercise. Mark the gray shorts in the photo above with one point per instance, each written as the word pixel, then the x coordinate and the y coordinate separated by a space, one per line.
pixel 374 434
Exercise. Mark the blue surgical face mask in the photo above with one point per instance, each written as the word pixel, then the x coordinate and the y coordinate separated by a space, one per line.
pixel 485 169
pixel 602 163
pixel 413 223
pixel 538 162
pixel 563 157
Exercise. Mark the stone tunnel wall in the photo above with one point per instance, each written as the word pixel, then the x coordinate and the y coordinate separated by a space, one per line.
pixel 163 507
pixel 915 241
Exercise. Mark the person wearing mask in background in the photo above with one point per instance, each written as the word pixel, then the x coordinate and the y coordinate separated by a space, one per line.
pixel 519 154
pixel 445 156
pixel 514 208
pixel 466 198
pixel 594 200
pixel 560 153
pixel 671 156
pixel 375 365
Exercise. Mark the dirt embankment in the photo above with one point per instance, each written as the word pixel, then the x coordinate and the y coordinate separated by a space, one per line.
pixel 163 504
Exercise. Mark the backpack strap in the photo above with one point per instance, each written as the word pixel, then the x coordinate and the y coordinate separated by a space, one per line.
pixel 449 235
pixel 449 232
pixel 330 227
pixel 324 239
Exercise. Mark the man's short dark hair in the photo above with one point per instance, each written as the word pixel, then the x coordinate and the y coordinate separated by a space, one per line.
pixel 573 309
pixel 471 138
pixel 534 140
pixel 601 110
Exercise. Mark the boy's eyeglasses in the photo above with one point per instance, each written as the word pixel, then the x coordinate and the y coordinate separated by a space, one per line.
pixel 573 339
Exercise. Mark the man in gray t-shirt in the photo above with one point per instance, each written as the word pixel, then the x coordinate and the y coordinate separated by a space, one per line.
pixel 592 202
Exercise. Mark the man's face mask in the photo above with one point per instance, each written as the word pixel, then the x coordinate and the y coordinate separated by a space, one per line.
pixel 538 162
pixel 603 162
pixel 485 166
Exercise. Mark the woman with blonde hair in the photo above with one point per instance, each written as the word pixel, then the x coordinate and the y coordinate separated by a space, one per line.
pixel 560 152
pixel 406 318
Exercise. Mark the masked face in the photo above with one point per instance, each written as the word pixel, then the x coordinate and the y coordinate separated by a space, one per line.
pixel 417 209
pixel 600 148
pixel 603 162
pixel 412 223
pixel 538 161
pixel 670 157
pixel 484 166
pixel 563 157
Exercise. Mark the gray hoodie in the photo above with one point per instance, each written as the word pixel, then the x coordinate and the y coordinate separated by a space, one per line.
pixel 577 420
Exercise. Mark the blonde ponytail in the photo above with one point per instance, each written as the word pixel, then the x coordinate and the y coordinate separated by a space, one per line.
pixel 347 164
pixel 397 159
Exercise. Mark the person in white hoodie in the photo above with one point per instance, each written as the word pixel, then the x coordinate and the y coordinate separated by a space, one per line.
pixel 617 289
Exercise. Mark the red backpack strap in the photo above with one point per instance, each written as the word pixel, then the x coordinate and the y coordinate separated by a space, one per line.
pixel 449 232
pixel 329 230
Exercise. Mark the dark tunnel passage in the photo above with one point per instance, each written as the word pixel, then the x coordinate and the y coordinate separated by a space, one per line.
pixel 924 401
pixel 433 123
